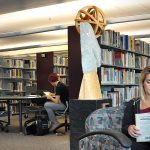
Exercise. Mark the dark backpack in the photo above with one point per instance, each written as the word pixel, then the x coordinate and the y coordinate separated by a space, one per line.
pixel 38 127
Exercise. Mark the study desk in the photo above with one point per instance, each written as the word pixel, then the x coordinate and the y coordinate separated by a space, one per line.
pixel 19 99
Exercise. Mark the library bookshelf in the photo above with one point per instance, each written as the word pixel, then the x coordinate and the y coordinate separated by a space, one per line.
pixel 16 74
pixel 123 58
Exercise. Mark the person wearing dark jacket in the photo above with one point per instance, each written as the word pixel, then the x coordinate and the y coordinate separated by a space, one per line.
pixel 57 100
pixel 137 105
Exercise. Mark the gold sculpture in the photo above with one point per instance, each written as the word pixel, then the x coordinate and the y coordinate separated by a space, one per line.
pixel 92 15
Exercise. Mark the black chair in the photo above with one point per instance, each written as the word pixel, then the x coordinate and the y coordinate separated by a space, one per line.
pixel 65 123
pixel 3 124
pixel 38 110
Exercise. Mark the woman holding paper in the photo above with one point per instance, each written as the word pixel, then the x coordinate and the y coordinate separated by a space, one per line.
pixel 137 106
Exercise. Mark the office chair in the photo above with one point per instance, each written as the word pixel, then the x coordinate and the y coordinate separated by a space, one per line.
pixel 64 114
pixel 3 124
pixel 103 131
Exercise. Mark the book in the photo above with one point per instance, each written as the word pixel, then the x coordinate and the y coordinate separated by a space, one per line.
pixel 46 93
pixel 143 123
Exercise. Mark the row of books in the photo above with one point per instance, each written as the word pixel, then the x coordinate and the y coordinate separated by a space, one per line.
pixel 120 95
pixel 17 73
pixel 12 63
pixel 17 63
pixel 31 64
pixel 118 76
pixel 30 75
pixel 13 86
pixel 31 83
pixel 64 80
pixel 61 70
pixel 141 62
pixel 125 42
pixel 11 73
pixel 124 59
pixel 3 105
pixel 60 60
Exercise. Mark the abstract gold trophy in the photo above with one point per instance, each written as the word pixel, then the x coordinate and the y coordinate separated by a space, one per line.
pixel 90 23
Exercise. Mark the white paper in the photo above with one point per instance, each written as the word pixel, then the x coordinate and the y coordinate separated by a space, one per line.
pixel 33 96
pixel 46 93
pixel 143 123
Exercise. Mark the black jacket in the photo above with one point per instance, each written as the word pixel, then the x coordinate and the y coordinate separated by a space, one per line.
pixel 132 107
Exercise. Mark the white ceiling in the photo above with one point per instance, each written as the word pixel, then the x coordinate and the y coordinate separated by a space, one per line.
pixel 42 18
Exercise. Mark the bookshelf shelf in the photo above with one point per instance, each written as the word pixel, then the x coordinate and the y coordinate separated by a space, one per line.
pixel 110 48
pixel 58 65
pixel 121 67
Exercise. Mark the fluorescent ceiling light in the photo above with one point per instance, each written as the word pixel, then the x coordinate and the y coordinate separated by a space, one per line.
pixel 131 28
pixel 50 48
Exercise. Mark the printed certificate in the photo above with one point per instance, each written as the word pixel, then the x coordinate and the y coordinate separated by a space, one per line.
pixel 143 123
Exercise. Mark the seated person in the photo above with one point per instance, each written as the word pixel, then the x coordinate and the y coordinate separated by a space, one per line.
pixel 57 100
pixel 139 105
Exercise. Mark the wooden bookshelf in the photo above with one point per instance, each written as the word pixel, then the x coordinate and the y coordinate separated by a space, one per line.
pixel 75 69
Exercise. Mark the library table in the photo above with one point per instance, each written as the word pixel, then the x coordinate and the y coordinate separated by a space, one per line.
pixel 7 100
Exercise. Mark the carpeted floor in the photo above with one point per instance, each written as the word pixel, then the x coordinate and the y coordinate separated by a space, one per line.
pixel 16 141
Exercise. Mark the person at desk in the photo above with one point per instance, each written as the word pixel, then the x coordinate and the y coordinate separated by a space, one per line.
pixel 57 100
pixel 139 105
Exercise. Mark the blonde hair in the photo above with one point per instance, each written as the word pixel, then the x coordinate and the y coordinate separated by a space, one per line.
pixel 144 73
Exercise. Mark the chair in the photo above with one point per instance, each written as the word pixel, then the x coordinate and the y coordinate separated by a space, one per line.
pixel 36 106
pixel 103 131
pixel 64 114
pixel 40 111
pixel 3 124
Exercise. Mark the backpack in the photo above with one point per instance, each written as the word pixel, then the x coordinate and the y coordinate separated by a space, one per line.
pixel 38 126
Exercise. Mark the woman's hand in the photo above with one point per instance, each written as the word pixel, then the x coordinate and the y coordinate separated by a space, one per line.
pixel 133 131
pixel 52 94
pixel 54 98
pixel 49 96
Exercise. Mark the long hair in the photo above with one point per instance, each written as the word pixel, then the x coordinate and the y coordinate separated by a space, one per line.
pixel 144 73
